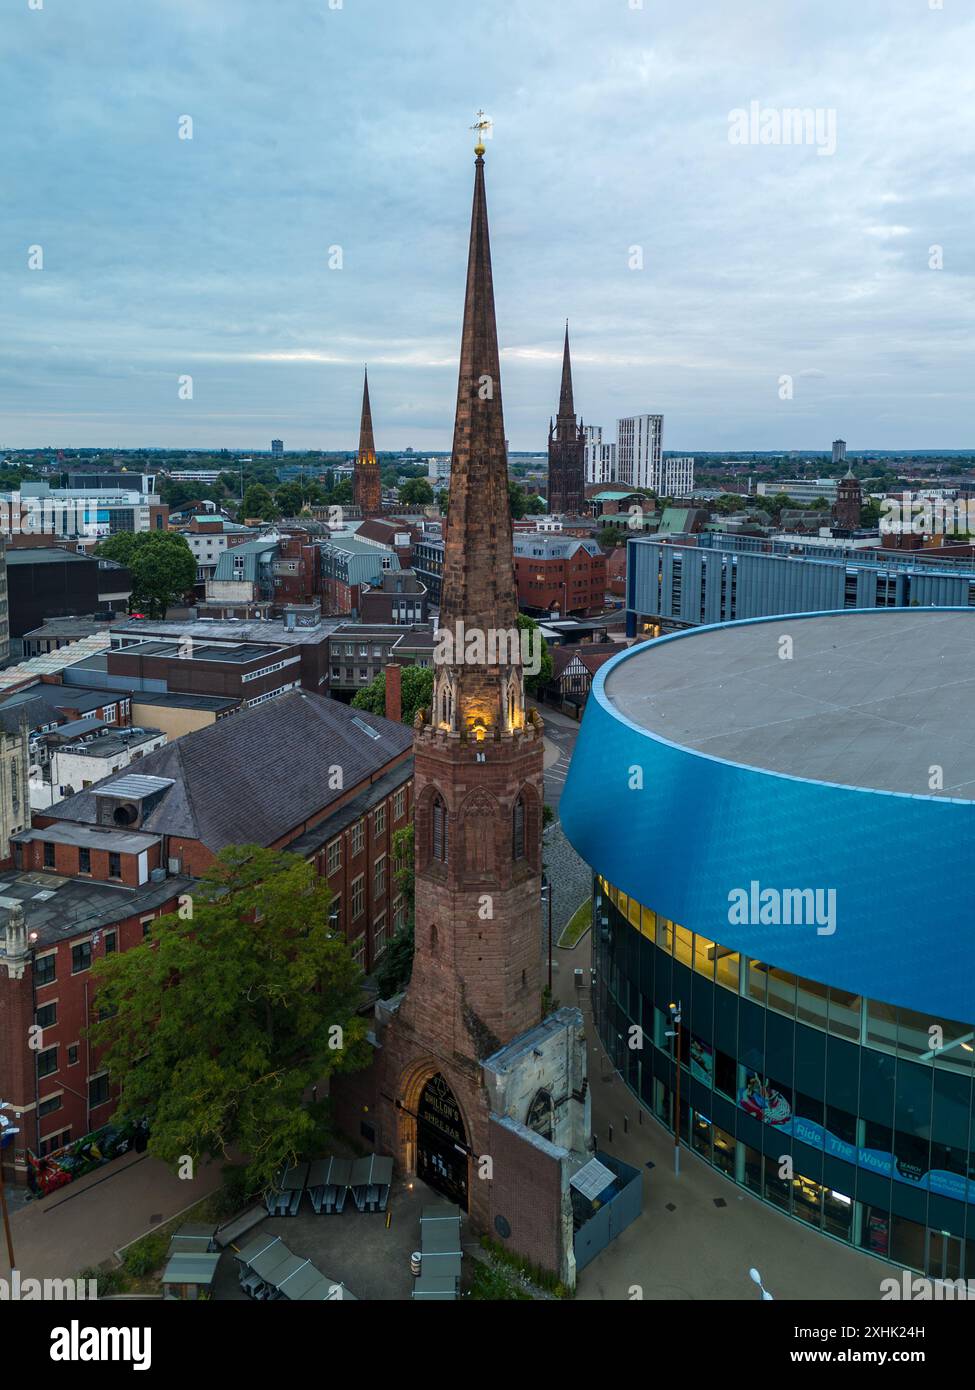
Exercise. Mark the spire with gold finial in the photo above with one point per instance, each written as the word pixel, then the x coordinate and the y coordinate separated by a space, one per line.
pixel 483 126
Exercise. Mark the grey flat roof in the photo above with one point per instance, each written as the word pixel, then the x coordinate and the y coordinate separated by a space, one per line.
pixel 869 699
pixel 91 836
pixel 59 908
pixel 271 630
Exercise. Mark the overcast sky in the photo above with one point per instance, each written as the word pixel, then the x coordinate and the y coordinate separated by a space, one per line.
pixel 316 127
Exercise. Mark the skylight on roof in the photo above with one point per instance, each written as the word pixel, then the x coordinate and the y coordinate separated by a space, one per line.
pixel 366 729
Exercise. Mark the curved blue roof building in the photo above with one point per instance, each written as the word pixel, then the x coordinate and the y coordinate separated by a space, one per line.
pixel 780 818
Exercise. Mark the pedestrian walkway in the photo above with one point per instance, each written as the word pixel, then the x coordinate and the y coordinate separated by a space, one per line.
pixel 699 1233
pixel 80 1225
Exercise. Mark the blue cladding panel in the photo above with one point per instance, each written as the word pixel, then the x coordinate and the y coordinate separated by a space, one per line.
pixel 901 865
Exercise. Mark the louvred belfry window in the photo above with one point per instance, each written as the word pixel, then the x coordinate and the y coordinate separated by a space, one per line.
pixel 440 830
pixel 518 829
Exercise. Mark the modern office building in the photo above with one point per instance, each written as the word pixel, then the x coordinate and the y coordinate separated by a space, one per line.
pixel 677 477
pixel 600 458
pixel 839 451
pixel 277 448
pixel 639 451
pixel 779 816
pixel 801 489
pixel 686 581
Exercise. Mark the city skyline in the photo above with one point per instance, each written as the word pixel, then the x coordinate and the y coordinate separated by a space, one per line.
pixel 209 257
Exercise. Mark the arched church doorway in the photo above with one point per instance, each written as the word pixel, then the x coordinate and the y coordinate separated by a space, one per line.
pixel 441 1141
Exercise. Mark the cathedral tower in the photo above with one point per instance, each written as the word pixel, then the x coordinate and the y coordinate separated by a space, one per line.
pixel 566 450
pixel 367 486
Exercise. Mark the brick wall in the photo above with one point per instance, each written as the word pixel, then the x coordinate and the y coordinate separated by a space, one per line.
pixel 527 1194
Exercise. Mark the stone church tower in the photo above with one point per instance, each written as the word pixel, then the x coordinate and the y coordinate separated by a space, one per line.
pixel 849 501
pixel 476 982
pixel 566 450
pixel 367 485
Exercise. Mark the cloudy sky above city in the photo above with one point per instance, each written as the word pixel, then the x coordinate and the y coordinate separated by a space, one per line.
pixel 316 127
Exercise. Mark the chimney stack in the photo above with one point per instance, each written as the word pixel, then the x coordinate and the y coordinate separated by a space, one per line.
pixel 394 693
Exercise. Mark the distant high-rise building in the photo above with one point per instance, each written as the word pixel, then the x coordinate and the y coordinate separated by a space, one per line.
pixel 839 451
pixel 566 449
pixel 277 448
pixel 677 477
pixel 600 457
pixel 639 452
pixel 367 484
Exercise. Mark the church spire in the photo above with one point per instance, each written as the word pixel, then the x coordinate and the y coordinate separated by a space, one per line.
pixel 367 442
pixel 366 482
pixel 566 408
pixel 478 573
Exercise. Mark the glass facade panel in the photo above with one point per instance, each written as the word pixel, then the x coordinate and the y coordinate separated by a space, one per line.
pixel 811 1002
pixel 704 956
pixel 683 946
pixel 728 968
pixel 844 1014
pixel 877 1116
pixel 782 992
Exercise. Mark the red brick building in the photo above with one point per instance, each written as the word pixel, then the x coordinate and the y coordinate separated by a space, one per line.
pixel 307 774
pixel 555 571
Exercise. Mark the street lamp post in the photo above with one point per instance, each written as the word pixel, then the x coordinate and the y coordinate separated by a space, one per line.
pixel 7 1132
pixel 547 896
pixel 675 1014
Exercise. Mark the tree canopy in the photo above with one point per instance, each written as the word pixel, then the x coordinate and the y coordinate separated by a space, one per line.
pixel 416 491
pixel 160 562
pixel 258 503
pixel 533 684
pixel 218 1026
pixel 417 693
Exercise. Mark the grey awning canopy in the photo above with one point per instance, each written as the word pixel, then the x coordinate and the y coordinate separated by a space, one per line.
pixel 437 1286
pixel 191 1267
pixel 289 1268
pixel 330 1172
pixel 374 1171
pixel 255 1247
pixel 293 1178
pixel 441 1238
pixel 447 1265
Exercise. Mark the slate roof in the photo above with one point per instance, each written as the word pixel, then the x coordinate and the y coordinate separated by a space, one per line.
pixel 252 778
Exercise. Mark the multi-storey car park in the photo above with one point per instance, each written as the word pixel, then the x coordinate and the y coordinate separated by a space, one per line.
pixel 780 818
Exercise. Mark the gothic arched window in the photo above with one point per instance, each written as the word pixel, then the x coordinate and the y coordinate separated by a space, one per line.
pixel 438 847
pixel 518 829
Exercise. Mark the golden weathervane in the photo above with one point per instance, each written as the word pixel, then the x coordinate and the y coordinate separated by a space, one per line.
pixel 482 125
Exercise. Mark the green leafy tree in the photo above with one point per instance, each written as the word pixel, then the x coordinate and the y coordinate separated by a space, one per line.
pixel 534 506
pixel 870 513
pixel 533 684
pixel 342 493
pixel 242 1001
pixel 417 492
pixel 161 564
pixel 444 500
pixel 394 973
pixel 517 501
pixel 609 537
pixel 417 693
pixel 258 502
